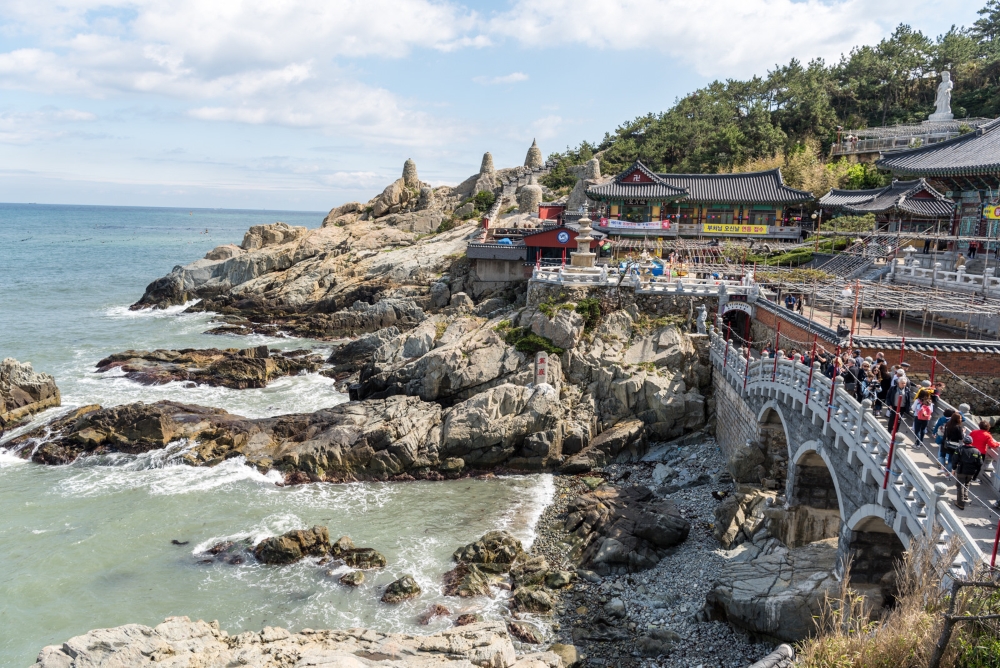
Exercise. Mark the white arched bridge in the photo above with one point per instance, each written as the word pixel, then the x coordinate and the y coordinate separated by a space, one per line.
pixel 831 453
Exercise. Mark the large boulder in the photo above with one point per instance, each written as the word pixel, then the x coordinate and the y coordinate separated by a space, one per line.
pixel 401 590
pixel 292 546
pixel 260 236
pixel 24 392
pixel 496 551
pixel 741 515
pixel 620 530
pixel 775 591
pixel 180 641
pixel 493 425
pixel 564 327
pixel 353 355
pixel 626 441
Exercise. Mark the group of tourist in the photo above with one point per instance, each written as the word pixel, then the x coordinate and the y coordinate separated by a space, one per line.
pixel 961 451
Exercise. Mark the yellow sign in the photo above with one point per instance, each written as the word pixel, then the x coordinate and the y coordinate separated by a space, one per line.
pixel 992 212
pixel 722 228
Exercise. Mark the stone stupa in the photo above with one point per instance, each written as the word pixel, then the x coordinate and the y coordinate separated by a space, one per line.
pixel 534 159
pixel 583 256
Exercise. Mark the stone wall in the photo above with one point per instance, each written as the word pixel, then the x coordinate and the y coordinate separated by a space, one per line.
pixel 735 424
pixel 614 297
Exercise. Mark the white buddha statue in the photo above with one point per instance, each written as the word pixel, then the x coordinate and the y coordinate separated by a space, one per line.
pixel 942 111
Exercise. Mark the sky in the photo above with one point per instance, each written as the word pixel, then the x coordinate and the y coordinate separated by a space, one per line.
pixel 306 104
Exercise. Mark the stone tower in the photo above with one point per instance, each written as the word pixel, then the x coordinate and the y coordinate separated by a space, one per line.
pixel 592 170
pixel 529 198
pixel 534 158
pixel 410 178
pixel 487 166
pixel 583 257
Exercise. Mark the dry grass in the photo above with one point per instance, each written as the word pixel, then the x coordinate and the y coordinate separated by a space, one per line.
pixel 903 637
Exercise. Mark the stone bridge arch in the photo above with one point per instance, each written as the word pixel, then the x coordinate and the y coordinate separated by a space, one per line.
pixel 814 504
pixel 874 548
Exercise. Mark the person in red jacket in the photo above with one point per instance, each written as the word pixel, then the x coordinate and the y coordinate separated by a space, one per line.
pixel 982 439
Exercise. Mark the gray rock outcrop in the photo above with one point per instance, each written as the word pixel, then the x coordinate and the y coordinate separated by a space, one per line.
pixel 622 530
pixel 179 641
pixel 775 591
pixel 24 392
pixel 261 236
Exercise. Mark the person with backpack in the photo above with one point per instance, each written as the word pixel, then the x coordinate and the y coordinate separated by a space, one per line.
pixel 923 409
pixel 954 434
pixel 938 431
pixel 968 464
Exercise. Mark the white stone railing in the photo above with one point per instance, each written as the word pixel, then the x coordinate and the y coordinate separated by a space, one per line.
pixel 906 271
pixel 858 435
pixel 611 276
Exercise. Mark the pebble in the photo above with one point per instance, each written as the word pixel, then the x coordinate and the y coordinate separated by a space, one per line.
pixel 663 599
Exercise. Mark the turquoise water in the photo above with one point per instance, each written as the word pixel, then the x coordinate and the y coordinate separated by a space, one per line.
pixel 89 545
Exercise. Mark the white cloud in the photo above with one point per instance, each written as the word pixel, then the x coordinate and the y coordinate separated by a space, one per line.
pixel 513 77
pixel 46 123
pixel 727 38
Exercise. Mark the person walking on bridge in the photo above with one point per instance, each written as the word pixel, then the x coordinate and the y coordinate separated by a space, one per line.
pixel 899 395
pixel 968 464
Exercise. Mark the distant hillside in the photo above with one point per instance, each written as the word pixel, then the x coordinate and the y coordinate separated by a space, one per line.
pixel 796 108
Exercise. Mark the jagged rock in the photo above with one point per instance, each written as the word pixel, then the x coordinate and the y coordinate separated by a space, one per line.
pixel 465 210
pixel 740 516
pixel 401 590
pixel 778 592
pixel 532 599
pixel 394 198
pixel 493 425
pixel 362 317
pixel 352 355
pixel 626 440
pixel 224 252
pixel 294 545
pixel 468 358
pixel 744 462
pixel 24 392
pixel 181 641
pixel 496 551
pixel 466 580
pixel 468 618
pixel 460 300
pixel 275 234
pixel 564 328
pixel 534 159
pixel 418 222
pixel 338 212
pixel 233 367
pixel 486 166
pixel 622 529
pixel 352 579
pixel 440 295
pixel 530 572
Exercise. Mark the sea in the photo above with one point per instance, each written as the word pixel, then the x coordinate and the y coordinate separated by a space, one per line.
pixel 118 540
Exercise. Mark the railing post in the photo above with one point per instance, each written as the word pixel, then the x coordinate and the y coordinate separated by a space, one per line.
pixel 940 492
pixel 896 438
pixel 833 393
pixel 777 340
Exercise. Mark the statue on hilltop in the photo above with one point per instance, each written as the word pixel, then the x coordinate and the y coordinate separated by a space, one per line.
pixel 942 111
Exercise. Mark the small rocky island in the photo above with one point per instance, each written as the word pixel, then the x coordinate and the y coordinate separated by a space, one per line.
pixel 23 392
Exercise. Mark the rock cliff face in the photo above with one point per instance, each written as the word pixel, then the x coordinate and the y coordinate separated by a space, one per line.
pixel 24 392
pixel 179 641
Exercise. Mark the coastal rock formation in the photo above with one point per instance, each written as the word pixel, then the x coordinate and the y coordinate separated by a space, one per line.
pixel 771 590
pixel 292 546
pixel 401 590
pixel 617 530
pixel 233 367
pixel 24 392
pixel 485 644
pixel 260 236
pixel 741 516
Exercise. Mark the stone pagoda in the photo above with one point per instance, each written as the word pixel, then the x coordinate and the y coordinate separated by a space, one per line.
pixel 583 256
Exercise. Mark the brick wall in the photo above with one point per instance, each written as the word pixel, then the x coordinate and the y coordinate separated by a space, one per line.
pixel 735 422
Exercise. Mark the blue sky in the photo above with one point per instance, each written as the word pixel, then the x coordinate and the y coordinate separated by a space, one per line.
pixel 305 104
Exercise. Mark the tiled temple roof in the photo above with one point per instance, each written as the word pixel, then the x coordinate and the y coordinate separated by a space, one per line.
pixel 766 187
pixel 899 195
pixel 976 152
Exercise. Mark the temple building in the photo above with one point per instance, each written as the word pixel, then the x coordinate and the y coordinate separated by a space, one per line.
pixel 903 206
pixel 640 202
pixel 967 170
